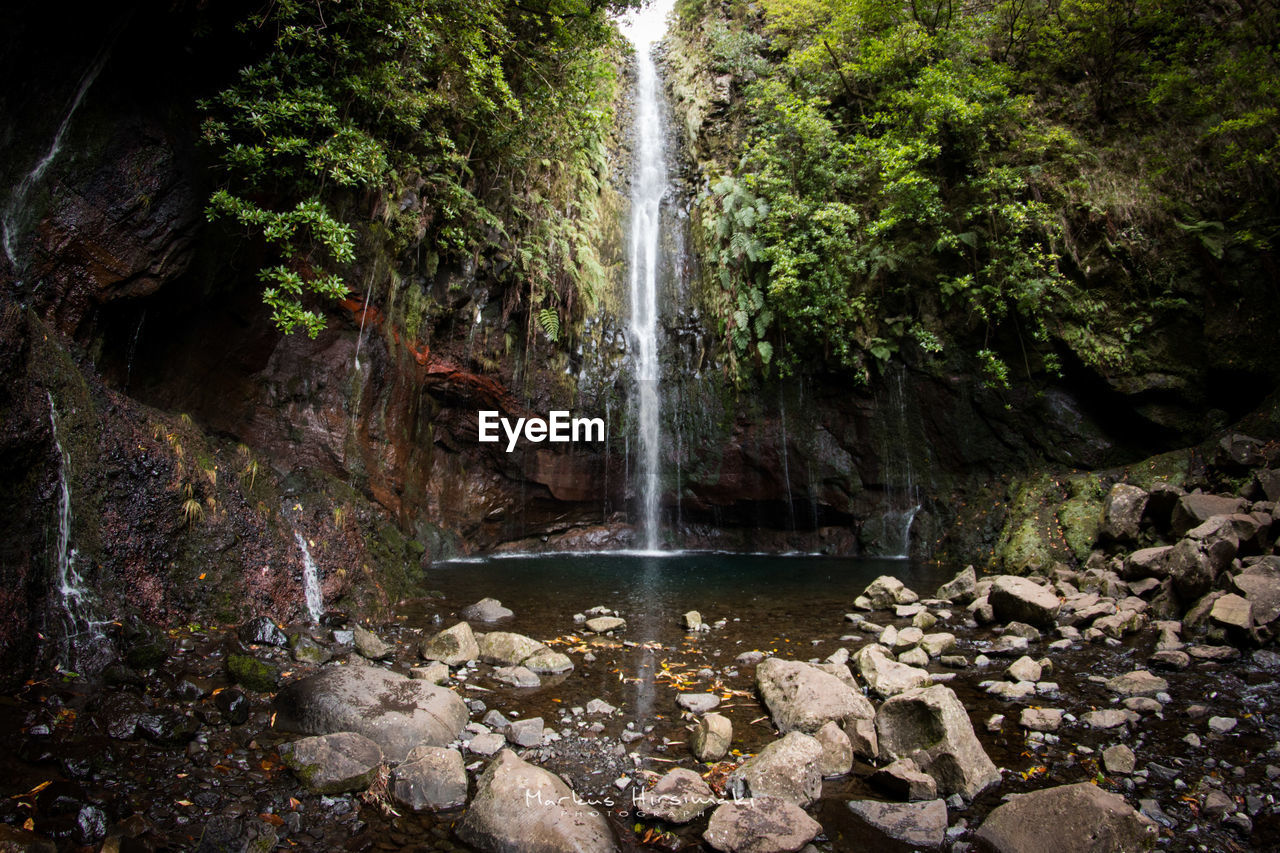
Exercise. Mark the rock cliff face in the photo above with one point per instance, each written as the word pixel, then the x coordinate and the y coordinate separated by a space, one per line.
pixel 202 442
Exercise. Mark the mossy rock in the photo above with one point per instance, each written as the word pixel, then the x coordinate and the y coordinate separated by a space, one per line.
pixel 1081 514
pixel 252 673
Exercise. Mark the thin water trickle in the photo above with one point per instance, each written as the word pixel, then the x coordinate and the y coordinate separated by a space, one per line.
pixel 10 221
pixel 786 465
pixel 902 491
pixel 81 635
pixel 310 581
pixel 649 184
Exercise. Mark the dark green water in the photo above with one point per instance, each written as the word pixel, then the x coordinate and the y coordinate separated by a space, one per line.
pixel 658 589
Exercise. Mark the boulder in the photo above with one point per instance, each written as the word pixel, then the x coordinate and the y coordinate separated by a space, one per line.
pixel 370 645
pixel 862 738
pixel 527 732
pixel 486 610
pixel 517 676
pixel 885 675
pixel 1014 598
pixel 936 645
pixel 1193 510
pixel 431 778
pixel 395 712
pixel 1234 612
pixel 837 752
pixel 1240 452
pixel 605 624
pixel 262 631
pixel 1041 719
pixel 789 768
pixel 1084 819
pixel 903 780
pixel 931 727
pixel 802 697
pixel 334 763
pixel 920 826
pixel 1122 513
pixel 504 648
pixel 698 703
pixel 711 737
pixel 1148 563
pixel 962 588
pixel 1260 584
pixel 885 591
pixel 693 621
pixel 760 825
pixel 519 808
pixel 1137 683
pixel 678 797
pixel 1024 668
pixel 1194 566
pixel 452 646
pixel 1119 760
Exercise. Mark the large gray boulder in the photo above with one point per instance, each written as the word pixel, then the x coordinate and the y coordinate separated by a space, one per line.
pixel 678 797
pixel 1080 818
pixel 1194 565
pixel 1193 510
pixel 519 808
pixel 789 769
pixel 430 779
pixel 711 737
pixel 395 712
pixel 370 645
pixel 885 591
pixel 886 676
pixel 1122 513
pixel 1260 584
pixel 503 648
pixel 931 727
pixel 486 610
pixel 921 826
pixel 760 825
pixel 802 697
pixel 333 764
pixel 962 588
pixel 1148 563
pixel 452 646
pixel 1015 599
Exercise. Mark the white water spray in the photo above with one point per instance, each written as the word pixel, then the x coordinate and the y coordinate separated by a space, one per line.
pixel 310 581
pixel 10 221
pixel 82 635
pixel 648 186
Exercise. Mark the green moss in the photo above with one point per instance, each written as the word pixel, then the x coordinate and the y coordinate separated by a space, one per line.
pixel 252 673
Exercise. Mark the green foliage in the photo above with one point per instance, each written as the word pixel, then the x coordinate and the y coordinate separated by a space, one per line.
pixel 476 127
pixel 902 181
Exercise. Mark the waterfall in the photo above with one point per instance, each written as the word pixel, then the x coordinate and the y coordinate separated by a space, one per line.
pixel 10 220
pixel 75 601
pixel 310 581
pixel 902 491
pixel 648 186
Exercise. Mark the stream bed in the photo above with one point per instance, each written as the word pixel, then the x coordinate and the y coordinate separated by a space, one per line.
pixel 166 753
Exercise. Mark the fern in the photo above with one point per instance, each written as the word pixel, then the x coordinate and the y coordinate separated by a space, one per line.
pixel 549 320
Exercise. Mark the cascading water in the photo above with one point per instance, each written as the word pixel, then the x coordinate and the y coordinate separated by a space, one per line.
pixel 649 184
pixel 11 220
pixel 82 636
pixel 903 493
pixel 310 581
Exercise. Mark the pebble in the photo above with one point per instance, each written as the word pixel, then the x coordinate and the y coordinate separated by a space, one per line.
pixel 1222 725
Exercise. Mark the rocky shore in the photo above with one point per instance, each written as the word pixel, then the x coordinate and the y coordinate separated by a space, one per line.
pixel 1122 706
